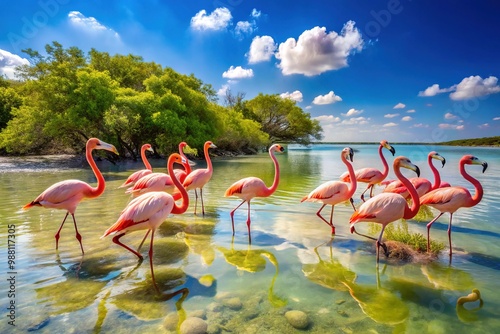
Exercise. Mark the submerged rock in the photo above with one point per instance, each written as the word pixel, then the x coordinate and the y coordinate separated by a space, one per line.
pixel 170 321
pixel 233 303
pixel 194 325
pixel 297 319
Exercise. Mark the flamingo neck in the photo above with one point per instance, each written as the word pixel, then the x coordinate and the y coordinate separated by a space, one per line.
pixel 178 209
pixel 478 194
pixel 144 159
pixel 207 158
pixel 352 176
pixel 384 162
pixel 415 206
pixel 101 184
pixel 276 181
pixel 187 167
pixel 437 177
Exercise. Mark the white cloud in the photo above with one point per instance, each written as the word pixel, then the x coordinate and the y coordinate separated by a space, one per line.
pixel 356 120
pixel 434 90
pixel 222 91
pixel 261 49
pixel 296 96
pixel 451 126
pixel 256 13
pixel 496 118
pixel 8 63
pixel 308 107
pixel 327 99
pixel 420 125
pixel 352 112
pixel 317 51
pixel 406 118
pixel 244 28
pixel 475 86
pixel 219 19
pixel 410 111
pixel 389 125
pixel 449 115
pixel 484 126
pixel 327 119
pixel 391 115
pixel 237 73
pixel 399 106
pixel 90 24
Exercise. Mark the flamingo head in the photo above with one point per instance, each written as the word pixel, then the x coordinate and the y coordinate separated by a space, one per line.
pixel 182 144
pixel 472 160
pixel 348 153
pixel 176 158
pixel 406 163
pixel 437 156
pixel 94 143
pixel 277 148
pixel 385 144
pixel 148 147
pixel 209 144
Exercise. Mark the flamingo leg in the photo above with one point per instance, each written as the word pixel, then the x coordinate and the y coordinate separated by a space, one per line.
pixel 116 240
pixel 331 220
pixel 320 216
pixel 151 261
pixel 143 239
pixel 363 193
pixel 78 235
pixel 248 224
pixel 59 230
pixel 379 243
pixel 202 204
pixel 371 191
pixel 196 200
pixel 449 232
pixel 232 214
pixel 429 231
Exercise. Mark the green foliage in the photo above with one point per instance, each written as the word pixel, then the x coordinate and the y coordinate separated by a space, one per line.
pixel 283 120
pixel 399 232
pixel 485 141
pixel 9 99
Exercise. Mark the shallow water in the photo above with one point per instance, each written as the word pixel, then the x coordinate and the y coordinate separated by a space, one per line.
pixel 291 264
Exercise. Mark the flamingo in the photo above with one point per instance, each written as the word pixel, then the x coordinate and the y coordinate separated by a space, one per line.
pixel 132 179
pixel 388 207
pixel 334 192
pixel 371 175
pixel 199 177
pixel 422 185
pixel 159 181
pixel 181 174
pixel 66 195
pixel 251 187
pixel 149 211
pixel 450 199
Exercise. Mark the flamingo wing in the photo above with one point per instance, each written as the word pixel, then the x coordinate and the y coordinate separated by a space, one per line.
pixel 146 211
pixel 246 188
pixel 332 192
pixel 132 179
pixel 447 199
pixel 152 182
pixel 197 179
pixel 62 195
pixel 383 208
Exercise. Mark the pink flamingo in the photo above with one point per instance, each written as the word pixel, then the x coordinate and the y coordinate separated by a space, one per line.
pixel 159 181
pixel 388 207
pixel 450 199
pixel 199 177
pixel 370 175
pixel 66 195
pixel 422 185
pixel 334 192
pixel 251 187
pixel 132 179
pixel 149 211
pixel 181 174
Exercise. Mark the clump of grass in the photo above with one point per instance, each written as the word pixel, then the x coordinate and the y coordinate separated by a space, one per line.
pixel 399 232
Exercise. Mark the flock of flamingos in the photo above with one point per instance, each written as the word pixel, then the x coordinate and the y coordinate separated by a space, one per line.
pixel 155 195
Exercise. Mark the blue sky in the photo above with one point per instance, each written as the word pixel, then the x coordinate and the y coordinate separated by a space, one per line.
pixel 367 70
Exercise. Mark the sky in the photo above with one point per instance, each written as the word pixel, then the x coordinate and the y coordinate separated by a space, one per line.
pixel 400 70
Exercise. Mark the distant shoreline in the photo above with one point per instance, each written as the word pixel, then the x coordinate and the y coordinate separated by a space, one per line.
pixel 472 142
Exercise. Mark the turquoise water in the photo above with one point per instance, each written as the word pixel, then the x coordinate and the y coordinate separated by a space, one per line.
pixel 291 264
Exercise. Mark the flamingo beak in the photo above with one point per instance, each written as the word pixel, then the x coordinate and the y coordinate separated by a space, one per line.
pixel 151 150
pixel 417 171
pixel 282 149
pixel 392 150
pixel 443 162
pixel 485 165
pixel 108 147
pixel 351 154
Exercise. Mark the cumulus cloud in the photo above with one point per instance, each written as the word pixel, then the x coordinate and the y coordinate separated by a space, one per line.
pixel 256 13
pixel 261 49
pixel 223 90
pixel 237 72
pixel 89 24
pixel 434 90
pixel 410 111
pixel 9 62
pixel 296 96
pixel 420 125
pixel 219 19
pixel 391 115
pixel 316 51
pixel 327 119
pixel 449 115
pixel 496 118
pixel 356 120
pixel 327 99
pixel 352 112
pixel 389 125
pixel 406 118
pixel 475 86
pixel 451 126
pixel 244 28
pixel 399 106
